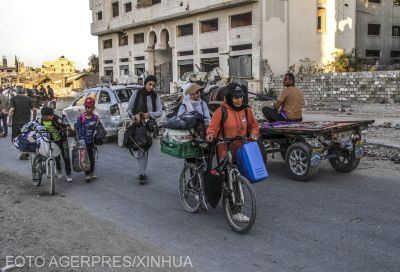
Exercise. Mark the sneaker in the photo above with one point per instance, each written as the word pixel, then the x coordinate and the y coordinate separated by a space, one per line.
pixel 143 179
pixel 68 178
pixel 59 174
pixel 240 217
pixel 2 134
pixel 88 179
pixel 93 176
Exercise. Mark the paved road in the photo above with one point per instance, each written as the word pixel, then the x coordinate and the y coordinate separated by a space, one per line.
pixel 336 222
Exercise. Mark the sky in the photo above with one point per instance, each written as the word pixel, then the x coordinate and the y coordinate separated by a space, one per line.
pixel 43 30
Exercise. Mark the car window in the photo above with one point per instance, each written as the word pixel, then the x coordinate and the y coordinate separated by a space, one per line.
pixel 80 100
pixel 124 94
pixel 104 97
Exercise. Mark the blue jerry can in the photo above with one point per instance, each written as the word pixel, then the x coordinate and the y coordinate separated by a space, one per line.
pixel 250 162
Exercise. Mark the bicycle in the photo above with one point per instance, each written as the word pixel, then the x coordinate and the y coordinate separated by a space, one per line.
pixel 44 164
pixel 238 195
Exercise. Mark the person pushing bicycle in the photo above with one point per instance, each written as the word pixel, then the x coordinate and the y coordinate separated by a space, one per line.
pixel 56 128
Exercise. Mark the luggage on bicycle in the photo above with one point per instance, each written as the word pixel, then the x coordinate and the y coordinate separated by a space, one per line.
pixel 179 144
pixel 80 157
pixel 251 163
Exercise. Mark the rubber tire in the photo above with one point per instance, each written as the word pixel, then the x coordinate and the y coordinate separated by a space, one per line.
pixel 35 161
pixel 310 172
pixel 52 169
pixel 182 186
pixel 226 205
pixel 345 168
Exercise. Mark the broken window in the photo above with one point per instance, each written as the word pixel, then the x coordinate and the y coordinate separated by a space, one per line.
pixel 209 25
pixel 374 1
pixel 185 30
pixel 138 38
pixel 99 16
pixel 374 29
pixel 241 47
pixel 185 66
pixel 124 60
pixel 395 54
pixel 107 43
pixel 139 58
pixel 147 3
pixel 123 39
pixel 321 20
pixel 209 50
pixel 108 71
pixel 396 31
pixel 373 53
pixel 115 9
pixel 207 65
pixel 185 53
pixel 240 69
pixel 108 61
pixel 396 2
pixel 239 20
pixel 128 7
pixel 124 70
pixel 139 69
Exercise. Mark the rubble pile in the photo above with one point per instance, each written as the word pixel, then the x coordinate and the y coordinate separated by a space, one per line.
pixel 382 153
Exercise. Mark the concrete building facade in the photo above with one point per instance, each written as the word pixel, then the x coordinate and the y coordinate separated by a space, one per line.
pixel 245 38
pixel 59 66
pixel 378 30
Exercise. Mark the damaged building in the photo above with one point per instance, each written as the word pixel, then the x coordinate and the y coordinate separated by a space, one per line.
pixel 245 38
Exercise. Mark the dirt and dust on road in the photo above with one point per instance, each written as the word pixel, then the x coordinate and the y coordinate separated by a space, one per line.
pixel 62 236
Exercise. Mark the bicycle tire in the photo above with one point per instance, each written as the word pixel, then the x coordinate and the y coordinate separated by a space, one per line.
pixel 37 170
pixel 52 173
pixel 185 192
pixel 230 208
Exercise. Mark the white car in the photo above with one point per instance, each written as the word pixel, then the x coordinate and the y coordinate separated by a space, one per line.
pixel 111 106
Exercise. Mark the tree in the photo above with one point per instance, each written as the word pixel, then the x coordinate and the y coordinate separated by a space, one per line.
pixel 93 64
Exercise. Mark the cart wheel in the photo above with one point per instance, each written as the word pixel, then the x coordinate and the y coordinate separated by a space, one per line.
pixel 345 162
pixel 298 162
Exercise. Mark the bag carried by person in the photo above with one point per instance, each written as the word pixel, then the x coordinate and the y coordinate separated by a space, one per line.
pixel 80 157
pixel 137 137
pixel 213 181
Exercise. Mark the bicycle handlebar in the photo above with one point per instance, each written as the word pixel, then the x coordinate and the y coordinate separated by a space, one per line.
pixel 229 140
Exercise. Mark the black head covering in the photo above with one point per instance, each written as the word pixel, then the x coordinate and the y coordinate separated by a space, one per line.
pixel 150 78
pixel 47 111
pixel 234 89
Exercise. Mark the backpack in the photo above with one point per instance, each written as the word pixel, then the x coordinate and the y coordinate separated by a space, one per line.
pixel 100 132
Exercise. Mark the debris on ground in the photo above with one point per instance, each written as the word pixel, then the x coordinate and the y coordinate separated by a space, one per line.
pixel 382 153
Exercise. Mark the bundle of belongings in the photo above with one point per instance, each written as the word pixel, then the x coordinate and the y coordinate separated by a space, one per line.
pixel 35 138
pixel 181 131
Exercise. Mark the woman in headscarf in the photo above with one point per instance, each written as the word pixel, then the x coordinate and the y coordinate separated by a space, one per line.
pixel 239 119
pixel 192 102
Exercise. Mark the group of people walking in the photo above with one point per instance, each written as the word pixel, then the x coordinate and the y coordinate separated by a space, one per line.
pixel 233 118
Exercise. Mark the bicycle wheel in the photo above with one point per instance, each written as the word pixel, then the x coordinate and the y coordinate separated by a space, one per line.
pixel 189 189
pixel 52 173
pixel 240 211
pixel 37 170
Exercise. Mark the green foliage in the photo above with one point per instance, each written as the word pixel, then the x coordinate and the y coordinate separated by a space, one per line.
pixel 344 62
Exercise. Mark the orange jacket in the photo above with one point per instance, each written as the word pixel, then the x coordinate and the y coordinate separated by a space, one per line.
pixel 235 125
